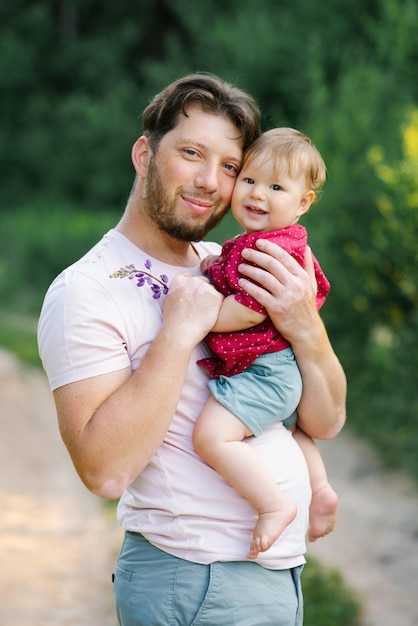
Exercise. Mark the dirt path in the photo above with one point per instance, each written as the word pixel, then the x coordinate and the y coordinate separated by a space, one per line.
pixel 375 542
pixel 58 546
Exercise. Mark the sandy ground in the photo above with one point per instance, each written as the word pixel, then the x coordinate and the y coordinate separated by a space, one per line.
pixel 375 541
pixel 58 544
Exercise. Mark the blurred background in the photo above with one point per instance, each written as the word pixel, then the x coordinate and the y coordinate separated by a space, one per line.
pixel 75 76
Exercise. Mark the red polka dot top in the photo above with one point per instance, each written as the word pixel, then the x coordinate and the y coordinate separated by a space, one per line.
pixel 233 352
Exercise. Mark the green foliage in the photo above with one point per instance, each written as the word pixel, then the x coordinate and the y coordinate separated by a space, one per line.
pixel 394 284
pixel 75 76
pixel 391 297
pixel 327 601
pixel 18 335
pixel 36 243
pixel 383 401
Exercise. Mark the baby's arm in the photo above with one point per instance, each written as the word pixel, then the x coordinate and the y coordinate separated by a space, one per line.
pixel 232 315
pixel 235 316
pixel 208 260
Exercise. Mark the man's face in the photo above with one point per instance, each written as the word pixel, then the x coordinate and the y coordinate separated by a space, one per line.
pixel 191 176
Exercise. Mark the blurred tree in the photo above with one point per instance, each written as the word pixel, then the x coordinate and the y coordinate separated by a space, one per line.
pixel 389 267
pixel 393 285
pixel 76 74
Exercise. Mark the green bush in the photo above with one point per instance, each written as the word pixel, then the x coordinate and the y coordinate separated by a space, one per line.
pixel 18 335
pixel 36 243
pixel 327 601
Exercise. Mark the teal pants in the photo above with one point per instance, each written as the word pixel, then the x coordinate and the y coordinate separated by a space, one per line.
pixel 153 588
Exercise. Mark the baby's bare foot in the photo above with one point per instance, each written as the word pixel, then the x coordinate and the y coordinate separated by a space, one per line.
pixel 322 512
pixel 270 526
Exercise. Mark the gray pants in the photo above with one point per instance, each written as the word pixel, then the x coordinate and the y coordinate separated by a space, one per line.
pixel 153 588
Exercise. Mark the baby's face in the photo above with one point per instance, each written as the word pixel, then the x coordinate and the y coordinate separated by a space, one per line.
pixel 265 199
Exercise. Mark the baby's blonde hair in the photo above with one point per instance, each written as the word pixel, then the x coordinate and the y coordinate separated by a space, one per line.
pixel 293 152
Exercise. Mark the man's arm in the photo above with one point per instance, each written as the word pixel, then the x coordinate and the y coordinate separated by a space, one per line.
pixel 287 291
pixel 113 424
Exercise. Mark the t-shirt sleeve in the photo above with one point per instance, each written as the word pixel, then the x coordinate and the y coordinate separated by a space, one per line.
pixel 80 331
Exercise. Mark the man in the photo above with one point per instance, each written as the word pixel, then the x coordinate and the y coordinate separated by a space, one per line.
pixel 121 359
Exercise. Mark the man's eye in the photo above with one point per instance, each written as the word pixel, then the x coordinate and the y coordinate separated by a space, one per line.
pixel 190 152
pixel 233 169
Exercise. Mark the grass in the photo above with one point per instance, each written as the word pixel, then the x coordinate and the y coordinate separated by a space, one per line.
pixel 327 600
pixel 18 335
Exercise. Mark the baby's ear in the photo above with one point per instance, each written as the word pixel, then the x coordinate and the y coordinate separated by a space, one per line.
pixel 306 201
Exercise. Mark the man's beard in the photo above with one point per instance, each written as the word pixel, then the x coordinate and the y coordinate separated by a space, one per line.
pixel 162 210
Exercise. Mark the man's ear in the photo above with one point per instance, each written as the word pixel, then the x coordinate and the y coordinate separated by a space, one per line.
pixel 140 155
pixel 306 201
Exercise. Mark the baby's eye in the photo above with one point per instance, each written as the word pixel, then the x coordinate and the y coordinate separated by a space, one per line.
pixel 275 187
pixel 250 181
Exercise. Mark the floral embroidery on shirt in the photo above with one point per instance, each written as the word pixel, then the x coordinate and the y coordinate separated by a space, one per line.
pixel 144 277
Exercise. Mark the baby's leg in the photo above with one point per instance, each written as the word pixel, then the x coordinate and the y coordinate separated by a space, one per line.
pixel 323 509
pixel 217 439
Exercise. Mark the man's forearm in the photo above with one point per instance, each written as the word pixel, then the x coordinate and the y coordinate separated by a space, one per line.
pixel 113 424
pixel 287 291
pixel 321 412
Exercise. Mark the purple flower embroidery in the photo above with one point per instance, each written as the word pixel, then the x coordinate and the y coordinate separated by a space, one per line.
pixel 158 286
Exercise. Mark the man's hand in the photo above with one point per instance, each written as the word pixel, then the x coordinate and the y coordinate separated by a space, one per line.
pixel 288 293
pixel 282 286
pixel 191 307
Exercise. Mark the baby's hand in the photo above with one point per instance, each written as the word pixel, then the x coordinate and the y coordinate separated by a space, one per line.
pixel 204 265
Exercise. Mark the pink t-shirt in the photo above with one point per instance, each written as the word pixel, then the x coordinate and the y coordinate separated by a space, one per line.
pixel 235 351
pixel 92 324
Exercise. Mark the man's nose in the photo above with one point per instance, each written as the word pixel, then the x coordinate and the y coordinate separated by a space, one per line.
pixel 207 178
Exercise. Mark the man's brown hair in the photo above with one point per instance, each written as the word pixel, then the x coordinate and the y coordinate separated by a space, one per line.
pixel 213 94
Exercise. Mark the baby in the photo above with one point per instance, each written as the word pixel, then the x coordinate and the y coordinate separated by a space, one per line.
pixel 255 378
